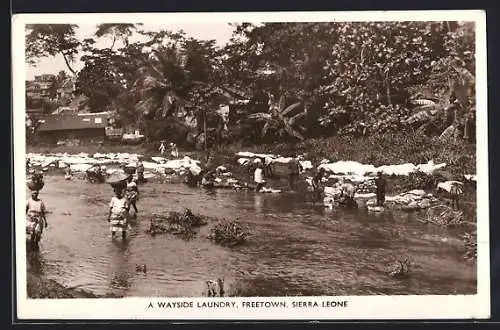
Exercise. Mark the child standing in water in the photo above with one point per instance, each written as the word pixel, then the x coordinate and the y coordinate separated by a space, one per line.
pixel 118 212
pixel 132 192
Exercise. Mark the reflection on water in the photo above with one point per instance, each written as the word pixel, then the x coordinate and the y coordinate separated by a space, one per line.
pixel 295 248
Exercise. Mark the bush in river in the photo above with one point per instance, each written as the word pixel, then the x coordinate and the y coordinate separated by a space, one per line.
pixel 228 233
pixel 445 216
pixel 401 268
pixel 470 244
pixel 176 223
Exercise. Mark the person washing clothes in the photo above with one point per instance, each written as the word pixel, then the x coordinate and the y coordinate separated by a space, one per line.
pixel 347 192
pixel 174 152
pixel 317 184
pixel 380 184
pixel 208 180
pixel 68 175
pixel 258 177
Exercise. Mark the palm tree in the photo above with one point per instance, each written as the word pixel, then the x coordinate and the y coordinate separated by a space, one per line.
pixel 158 94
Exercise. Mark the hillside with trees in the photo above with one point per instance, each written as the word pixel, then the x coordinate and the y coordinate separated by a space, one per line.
pixel 298 80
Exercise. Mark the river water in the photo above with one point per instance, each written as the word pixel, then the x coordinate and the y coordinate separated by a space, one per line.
pixel 295 248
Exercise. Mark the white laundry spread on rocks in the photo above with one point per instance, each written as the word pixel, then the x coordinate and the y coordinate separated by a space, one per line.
pixel 470 177
pixel 355 168
pixel 268 159
pixel 356 172
pixel 82 162
pixel 346 167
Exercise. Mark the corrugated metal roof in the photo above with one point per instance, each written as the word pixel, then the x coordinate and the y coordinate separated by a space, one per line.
pixel 70 122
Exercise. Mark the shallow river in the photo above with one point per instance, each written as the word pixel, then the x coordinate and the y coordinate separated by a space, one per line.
pixel 295 248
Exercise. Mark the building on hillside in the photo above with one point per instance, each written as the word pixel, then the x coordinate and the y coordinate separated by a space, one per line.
pixel 66 90
pixel 34 111
pixel 40 86
pixel 88 127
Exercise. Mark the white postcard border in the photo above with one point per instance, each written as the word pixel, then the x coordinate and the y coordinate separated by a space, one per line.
pixel 358 307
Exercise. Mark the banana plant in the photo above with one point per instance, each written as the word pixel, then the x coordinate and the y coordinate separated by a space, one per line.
pixel 281 120
pixel 457 98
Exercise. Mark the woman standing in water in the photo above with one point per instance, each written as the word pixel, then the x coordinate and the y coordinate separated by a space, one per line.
pixel 381 184
pixel 118 212
pixel 36 218
pixel 258 177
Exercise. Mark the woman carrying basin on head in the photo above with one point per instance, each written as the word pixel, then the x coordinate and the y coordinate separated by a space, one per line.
pixel 36 218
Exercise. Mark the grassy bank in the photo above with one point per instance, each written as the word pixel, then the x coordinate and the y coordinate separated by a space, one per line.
pixel 39 287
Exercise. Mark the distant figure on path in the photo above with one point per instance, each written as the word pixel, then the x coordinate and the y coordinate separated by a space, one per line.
pixel 380 184
pixel 162 148
pixel 118 212
pixel 174 152
pixel 258 177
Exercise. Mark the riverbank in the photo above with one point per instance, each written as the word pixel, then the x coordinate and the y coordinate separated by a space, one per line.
pixel 39 287
pixel 460 157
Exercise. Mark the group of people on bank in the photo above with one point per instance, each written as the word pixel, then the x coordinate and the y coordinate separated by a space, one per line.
pixel 347 188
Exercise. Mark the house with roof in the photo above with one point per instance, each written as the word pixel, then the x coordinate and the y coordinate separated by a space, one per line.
pixel 89 127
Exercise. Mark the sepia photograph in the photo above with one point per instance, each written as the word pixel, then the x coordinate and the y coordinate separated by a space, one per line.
pixel 251 165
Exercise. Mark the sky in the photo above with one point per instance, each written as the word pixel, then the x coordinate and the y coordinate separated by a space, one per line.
pixel 220 32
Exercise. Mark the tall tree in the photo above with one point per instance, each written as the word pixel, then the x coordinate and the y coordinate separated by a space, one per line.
pixel 44 40
pixel 116 31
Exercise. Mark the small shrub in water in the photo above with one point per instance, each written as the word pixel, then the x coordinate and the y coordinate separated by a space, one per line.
pixel 470 244
pixel 443 215
pixel 401 268
pixel 176 223
pixel 228 233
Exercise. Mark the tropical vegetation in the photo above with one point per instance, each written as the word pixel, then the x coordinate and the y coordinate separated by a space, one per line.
pixel 281 81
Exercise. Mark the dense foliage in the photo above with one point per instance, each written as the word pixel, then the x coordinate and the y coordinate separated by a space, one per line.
pixel 301 80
